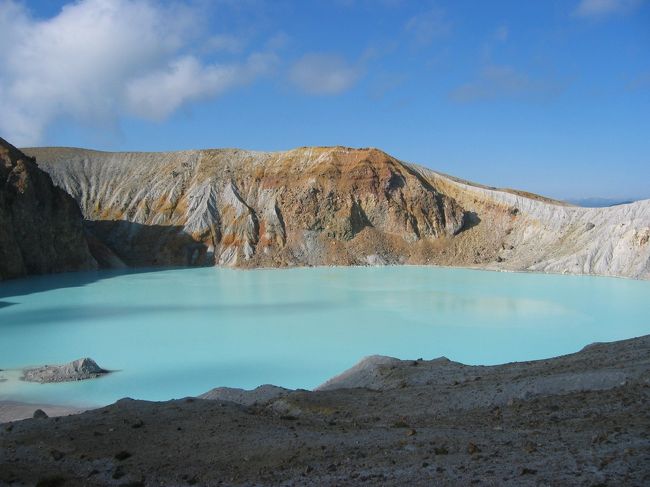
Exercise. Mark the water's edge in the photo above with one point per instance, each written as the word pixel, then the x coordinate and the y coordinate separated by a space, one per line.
pixel 17 410
pixel 295 328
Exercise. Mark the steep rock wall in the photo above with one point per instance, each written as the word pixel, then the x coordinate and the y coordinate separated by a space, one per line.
pixel 40 225
pixel 309 206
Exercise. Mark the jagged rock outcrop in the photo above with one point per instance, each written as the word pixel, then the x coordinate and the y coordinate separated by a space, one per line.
pixel 40 225
pixel 334 206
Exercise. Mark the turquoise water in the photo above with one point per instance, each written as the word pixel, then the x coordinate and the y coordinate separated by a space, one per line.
pixel 179 332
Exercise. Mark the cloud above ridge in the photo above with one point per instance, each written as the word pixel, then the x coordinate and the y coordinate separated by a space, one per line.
pixel 324 74
pixel 97 60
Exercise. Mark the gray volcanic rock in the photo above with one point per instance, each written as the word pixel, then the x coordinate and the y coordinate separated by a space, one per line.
pixel 367 373
pixel 40 414
pixel 581 419
pixel 334 206
pixel 81 369
pixel 261 394
pixel 40 225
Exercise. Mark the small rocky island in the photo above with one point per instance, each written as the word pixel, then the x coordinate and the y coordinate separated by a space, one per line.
pixel 81 369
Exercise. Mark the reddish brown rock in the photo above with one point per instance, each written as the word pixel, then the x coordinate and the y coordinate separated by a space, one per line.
pixel 309 206
pixel 332 206
pixel 40 225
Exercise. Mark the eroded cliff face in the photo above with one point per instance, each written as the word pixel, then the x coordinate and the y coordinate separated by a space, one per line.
pixel 238 208
pixel 334 206
pixel 520 231
pixel 40 225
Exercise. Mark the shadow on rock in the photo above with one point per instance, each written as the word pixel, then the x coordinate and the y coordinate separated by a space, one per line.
pixel 136 244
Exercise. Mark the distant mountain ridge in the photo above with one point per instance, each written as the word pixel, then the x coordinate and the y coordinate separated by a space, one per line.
pixel 596 202
pixel 333 206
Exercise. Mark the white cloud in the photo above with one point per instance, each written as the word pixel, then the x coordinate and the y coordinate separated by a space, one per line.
pixel 504 82
pixel 324 74
pixel 100 59
pixel 602 8
pixel 428 25
pixel 158 94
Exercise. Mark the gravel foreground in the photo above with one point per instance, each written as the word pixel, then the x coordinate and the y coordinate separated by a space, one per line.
pixel 580 419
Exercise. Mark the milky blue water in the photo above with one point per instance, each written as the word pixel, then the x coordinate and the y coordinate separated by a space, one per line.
pixel 179 332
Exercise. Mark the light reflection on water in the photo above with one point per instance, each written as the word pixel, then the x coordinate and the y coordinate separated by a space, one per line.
pixel 178 332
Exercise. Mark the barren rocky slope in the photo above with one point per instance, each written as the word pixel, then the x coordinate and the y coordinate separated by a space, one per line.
pixel 581 419
pixel 334 206
pixel 526 232
pixel 40 225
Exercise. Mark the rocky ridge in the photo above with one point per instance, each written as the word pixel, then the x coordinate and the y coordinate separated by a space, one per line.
pixel 527 232
pixel 334 206
pixel 40 225
pixel 240 208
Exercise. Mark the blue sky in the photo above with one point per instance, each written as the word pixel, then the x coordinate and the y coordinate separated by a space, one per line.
pixel 547 96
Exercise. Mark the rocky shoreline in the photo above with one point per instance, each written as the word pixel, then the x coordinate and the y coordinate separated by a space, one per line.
pixel 579 419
